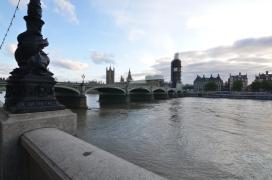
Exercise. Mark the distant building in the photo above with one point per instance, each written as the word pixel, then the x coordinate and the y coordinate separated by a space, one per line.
pixel 200 83
pixel 262 83
pixel 138 82
pixel 94 83
pixel 155 80
pixel 129 77
pixel 263 77
pixel 232 79
pixel 122 80
pixel 110 75
pixel 175 71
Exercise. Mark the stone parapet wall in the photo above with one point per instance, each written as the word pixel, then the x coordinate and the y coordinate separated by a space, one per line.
pixel 62 156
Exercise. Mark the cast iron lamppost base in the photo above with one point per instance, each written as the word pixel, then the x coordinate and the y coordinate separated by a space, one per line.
pixel 30 88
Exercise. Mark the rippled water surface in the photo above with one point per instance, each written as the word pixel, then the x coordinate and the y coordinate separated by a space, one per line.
pixel 186 138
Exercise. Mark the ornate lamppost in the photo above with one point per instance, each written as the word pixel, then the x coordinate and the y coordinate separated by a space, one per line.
pixel 83 77
pixel 30 88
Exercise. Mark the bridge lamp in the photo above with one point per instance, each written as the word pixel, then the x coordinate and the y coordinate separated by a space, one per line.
pixel 83 77
pixel 30 88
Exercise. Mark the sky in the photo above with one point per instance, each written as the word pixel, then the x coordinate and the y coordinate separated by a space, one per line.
pixel 86 36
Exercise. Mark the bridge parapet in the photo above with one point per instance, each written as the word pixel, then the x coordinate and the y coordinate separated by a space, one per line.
pixel 13 126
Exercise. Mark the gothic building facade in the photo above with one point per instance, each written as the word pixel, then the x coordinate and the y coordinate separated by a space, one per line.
pixel 129 77
pixel 110 75
pixel 264 77
pixel 242 78
pixel 122 80
pixel 201 83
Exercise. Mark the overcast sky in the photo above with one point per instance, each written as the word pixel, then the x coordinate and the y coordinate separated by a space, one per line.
pixel 212 36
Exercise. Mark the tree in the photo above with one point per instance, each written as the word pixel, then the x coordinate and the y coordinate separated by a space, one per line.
pixel 262 86
pixel 256 86
pixel 267 86
pixel 237 85
pixel 211 86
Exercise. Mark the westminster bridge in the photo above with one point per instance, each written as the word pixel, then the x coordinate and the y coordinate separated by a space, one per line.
pixel 73 95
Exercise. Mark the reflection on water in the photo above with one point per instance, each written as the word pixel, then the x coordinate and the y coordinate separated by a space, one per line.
pixel 189 138
pixel 92 101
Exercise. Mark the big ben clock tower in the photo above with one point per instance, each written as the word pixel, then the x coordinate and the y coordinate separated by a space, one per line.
pixel 176 71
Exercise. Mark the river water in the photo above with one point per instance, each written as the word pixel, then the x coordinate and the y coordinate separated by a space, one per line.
pixel 186 138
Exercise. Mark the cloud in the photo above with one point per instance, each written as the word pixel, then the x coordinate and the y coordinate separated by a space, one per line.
pixel 11 48
pixel 258 50
pixel 232 20
pixel 138 75
pixel 200 24
pixel 70 64
pixel 5 69
pixel 162 67
pixel 251 56
pixel 67 9
pixel 102 58
pixel 23 3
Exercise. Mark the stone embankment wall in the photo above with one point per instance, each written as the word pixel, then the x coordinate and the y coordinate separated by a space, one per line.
pixel 231 95
pixel 56 155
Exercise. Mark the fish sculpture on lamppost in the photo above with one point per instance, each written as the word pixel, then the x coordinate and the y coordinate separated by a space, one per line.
pixel 30 88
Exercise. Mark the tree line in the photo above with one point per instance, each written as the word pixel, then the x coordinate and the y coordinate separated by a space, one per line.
pixel 260 86
pixel 256 86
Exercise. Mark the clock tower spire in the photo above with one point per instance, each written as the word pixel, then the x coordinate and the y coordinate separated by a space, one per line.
pixel 175 71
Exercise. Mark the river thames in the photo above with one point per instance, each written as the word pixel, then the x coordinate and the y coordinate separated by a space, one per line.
pixel 186 138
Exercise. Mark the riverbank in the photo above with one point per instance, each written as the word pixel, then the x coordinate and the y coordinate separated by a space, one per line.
pixel 232 95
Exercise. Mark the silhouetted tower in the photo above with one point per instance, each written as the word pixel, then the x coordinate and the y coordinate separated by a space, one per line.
pixel 110 75
pixel 122 80
pixel 176 71
pixel 129 77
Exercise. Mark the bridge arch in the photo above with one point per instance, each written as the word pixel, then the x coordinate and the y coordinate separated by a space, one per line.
pixel 108 90
pixel 90 89
pixel 159 91
pixel 66 90
pixel 70 97
pixel 179 92
pixel 140 94
pixel 140 90
pixel 171 93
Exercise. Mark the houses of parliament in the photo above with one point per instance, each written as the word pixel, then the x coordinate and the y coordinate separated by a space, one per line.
pixel 157 80
pixel 110 76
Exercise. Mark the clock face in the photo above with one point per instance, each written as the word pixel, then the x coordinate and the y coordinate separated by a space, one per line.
pixel 175 69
